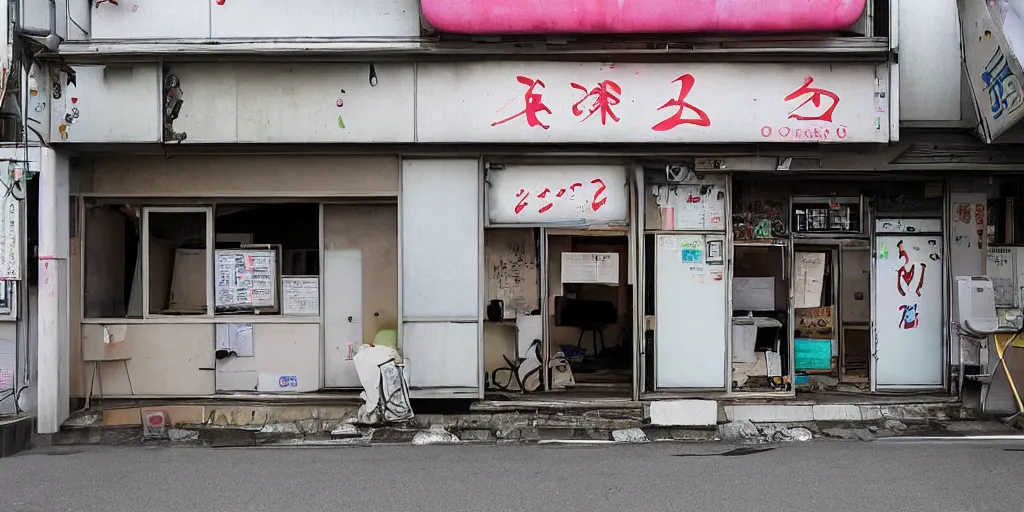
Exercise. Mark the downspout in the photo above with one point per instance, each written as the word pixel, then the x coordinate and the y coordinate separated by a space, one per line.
pixel 53 16
pixel 22 292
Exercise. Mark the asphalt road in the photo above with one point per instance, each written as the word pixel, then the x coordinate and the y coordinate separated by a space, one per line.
pixel 814 476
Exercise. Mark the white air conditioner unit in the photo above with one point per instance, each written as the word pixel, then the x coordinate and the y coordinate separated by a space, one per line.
pixel 975 305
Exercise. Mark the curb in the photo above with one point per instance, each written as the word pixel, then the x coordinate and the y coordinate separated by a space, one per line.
pixel 503 430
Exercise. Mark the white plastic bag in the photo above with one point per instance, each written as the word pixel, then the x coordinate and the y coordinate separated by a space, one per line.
pixel 394 403
pixel 385 392
pixel 561 372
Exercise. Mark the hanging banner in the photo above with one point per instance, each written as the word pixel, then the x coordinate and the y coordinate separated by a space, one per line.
pixel 993 32
pixel 639 16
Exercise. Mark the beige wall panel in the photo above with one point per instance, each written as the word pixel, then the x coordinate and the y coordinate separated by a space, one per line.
pixel 232 175
pixel 288 349
pixel 166 359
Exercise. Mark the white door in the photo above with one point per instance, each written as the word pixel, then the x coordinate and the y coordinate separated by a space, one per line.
pixel 441 256
pixel 690 312
pixel 908 311
pixel 343 313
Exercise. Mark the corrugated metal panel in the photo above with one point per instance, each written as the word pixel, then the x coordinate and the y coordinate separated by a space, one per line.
pixel 962 154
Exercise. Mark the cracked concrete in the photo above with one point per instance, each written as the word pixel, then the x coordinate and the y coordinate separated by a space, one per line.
pixel 250 425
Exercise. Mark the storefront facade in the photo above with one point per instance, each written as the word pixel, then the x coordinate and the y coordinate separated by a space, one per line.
pixel 338 248
pixel 267 218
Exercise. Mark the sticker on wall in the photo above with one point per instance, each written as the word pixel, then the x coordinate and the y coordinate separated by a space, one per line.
pixel 883 252
pixel 716 275
pixel 692 255
pixel 288 381
pixel 70 117
pixel 341 103
pixel 715 253
pixel 979 221
pixel 933 250
pixel 36 102
pixel 908 316
pixel 667 243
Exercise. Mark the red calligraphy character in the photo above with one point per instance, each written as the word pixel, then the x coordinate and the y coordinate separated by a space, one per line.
pixel 534 104
pixel 814 95
pixel 606 96
pixel 596 204
pixel 548 206
pixel 685 85
pixel 905 274
pixel 572 188
pixel 523 194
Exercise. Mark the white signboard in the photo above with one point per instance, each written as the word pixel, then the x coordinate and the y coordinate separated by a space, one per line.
pixel 553 102
pixel 563 194
pixel 993 33
pixel 590 267
pixel 10 231
pixel 301 296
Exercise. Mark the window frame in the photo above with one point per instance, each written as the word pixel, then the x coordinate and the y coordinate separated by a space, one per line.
pixel 210 281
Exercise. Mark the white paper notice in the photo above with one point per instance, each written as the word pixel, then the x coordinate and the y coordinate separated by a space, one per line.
pixel 301 296
pixel 590 267
pixel 808 279
pixel 246 278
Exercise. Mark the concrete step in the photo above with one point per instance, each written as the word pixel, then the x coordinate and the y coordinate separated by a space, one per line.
pixel 16 434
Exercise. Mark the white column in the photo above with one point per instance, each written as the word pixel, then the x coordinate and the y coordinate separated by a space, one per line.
pixel 54 369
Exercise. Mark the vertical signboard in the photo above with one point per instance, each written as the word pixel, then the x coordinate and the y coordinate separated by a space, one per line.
pixel 992 32
pixel 11 193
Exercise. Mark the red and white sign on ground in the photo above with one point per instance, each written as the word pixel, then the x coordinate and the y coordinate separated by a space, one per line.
pixel 557 102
